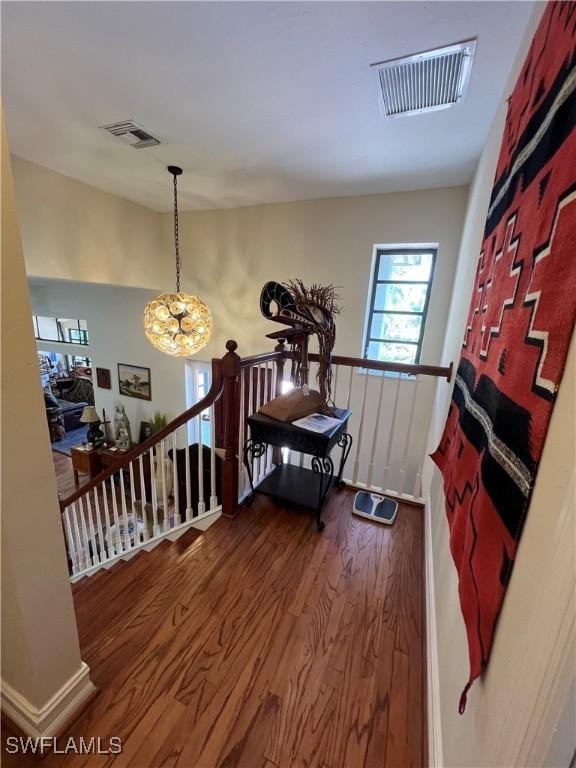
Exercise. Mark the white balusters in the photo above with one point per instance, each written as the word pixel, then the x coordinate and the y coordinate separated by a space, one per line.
pixel 176 491
pixel 408 436
pixel 119 543
pixel 162 459
pixel 386 473
pixel 111 543
pixel 85 541
pixel 93 544
pixel 201 500
pixel 375 433
pixel 136 534
pixel 360 428
pixel 101 543
pixel 349 386
pixel 70 545
pixel 274 381
pixel 189 510
pixel 80 551
pixel 153 492
pixel 126 539
pixel 143 494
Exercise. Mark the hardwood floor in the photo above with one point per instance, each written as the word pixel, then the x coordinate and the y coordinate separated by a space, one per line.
pixel 260 643
pixel 64 476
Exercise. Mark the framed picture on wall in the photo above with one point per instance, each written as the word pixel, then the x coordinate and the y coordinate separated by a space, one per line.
pixel 134 381
pixel 103 378
pixel 145 431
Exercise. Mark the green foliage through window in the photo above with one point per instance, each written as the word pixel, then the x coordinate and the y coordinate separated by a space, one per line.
pixel 398 304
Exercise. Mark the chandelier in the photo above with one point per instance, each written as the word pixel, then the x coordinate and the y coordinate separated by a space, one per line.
pixel 177 323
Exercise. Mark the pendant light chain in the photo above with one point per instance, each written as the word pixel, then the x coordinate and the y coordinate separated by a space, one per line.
pixel 176 239
pixel 177 325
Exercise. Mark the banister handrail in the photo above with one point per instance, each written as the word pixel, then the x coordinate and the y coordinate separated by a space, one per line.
pixel 264 357
pixel 213 394
pixel 378 365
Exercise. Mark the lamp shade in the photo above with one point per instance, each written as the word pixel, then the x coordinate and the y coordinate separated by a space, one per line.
pixel 89 415
pixel 178 324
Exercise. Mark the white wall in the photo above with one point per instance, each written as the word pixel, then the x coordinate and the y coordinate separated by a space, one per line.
pixel 115 328
pixel 512 712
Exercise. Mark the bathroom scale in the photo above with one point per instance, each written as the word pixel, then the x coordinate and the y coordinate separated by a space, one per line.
pixel 374 507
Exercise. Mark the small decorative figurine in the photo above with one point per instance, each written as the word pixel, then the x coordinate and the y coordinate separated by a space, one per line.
pixel 122 436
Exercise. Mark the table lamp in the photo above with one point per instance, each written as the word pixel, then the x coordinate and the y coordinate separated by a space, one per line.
pixel 90 417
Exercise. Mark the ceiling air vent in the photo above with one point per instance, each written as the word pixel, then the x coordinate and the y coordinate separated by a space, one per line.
pixel 425 81
pixel 132 134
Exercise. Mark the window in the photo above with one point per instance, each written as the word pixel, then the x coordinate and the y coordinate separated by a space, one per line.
pixel 63 330
pixel 198 376
pixel 398 304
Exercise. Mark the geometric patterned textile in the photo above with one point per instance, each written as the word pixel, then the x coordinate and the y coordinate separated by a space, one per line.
pixel 518 332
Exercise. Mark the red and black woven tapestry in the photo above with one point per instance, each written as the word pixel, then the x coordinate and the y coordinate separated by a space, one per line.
pixel 519 327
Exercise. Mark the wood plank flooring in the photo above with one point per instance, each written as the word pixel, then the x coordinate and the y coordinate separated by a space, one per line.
pixel 260 644
pixel 64 476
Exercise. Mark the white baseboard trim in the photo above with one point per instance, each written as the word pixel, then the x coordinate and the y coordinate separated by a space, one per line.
pixel 435 750
pixel 59 710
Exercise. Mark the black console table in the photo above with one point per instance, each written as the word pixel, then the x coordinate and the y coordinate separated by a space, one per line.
pixel 297 485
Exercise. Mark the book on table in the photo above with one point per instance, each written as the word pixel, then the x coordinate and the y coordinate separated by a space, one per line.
pixel 317 422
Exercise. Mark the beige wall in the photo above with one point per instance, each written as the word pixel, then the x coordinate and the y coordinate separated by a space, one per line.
pixel 513 711
pixel 75 232
pixel 72 231
pixel 40 651
pixel 229 254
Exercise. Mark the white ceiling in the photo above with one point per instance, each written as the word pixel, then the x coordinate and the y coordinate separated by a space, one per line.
pixel 258 101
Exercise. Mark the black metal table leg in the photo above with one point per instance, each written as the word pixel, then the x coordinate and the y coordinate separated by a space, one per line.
pixel 324 467
pixel 345 442
pixel 253 449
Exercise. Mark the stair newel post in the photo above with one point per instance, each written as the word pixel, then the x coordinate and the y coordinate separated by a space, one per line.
pixel 231 408
pixel 277 452
pixel 281 349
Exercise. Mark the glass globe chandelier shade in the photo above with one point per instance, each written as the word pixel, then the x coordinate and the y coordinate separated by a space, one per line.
pixel 177 323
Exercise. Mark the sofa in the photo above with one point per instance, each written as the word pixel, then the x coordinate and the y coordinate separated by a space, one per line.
pixel 71 396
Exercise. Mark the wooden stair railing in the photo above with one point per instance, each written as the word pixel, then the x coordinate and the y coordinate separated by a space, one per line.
pixel 388 411
pixel 388 401
pixel 104 520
